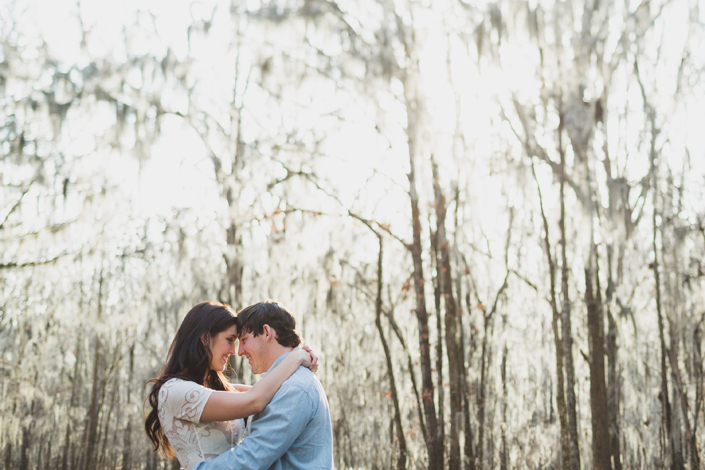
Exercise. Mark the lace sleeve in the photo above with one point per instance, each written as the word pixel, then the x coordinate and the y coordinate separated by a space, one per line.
pixel 183 399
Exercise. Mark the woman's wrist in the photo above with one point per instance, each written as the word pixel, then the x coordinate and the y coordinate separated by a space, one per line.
pixel 304 358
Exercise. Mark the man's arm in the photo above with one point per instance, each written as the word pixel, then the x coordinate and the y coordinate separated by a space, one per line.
pixel 278 426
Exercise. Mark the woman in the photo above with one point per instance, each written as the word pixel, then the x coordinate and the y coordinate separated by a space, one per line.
pixel 195 415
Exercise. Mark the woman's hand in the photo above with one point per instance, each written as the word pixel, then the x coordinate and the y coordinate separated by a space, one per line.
pixel 314 359
pixel 303 356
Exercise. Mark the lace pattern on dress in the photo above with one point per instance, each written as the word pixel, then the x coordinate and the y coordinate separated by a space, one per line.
pixel 180 406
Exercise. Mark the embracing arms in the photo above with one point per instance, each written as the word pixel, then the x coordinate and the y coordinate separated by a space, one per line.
pixel 225 406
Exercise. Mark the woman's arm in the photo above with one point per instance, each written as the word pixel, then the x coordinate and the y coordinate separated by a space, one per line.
pixel 224 406
pixel 241 387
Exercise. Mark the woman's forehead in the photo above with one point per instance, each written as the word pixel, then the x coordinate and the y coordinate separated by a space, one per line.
pixel 231 331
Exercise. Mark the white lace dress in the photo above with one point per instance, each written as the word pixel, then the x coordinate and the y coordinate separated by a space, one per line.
pixel 180 406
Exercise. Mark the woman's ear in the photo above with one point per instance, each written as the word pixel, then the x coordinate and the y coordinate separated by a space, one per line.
pixel 205 340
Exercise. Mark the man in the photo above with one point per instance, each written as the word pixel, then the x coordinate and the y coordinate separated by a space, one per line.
pixel 294 430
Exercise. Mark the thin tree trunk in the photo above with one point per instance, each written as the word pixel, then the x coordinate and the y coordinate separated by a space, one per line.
pixel 613 377
pixel 485 359
pixel 504 458
pixel 698 375
pixel 451 323
pixel 565 317
pixel 481 394
pixel 126 447
pixel 432 444
pixel 598 388
pixel 468 455
pixel 72 403
pixel 8 453
pixel 401 461
pixel 484 365
pixel 694 453
pixel 557 341
pixel 665 403
pixel 91 429
pixel 468 451
pixel 410 365
pixel 613 392
pixel 105 449
pixel 24 450
pixel 437 290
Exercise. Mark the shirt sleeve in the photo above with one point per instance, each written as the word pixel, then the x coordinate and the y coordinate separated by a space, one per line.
pixel 184 400
pixel 276 429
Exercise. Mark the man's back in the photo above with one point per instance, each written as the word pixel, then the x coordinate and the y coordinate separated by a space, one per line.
pixel 292 433
pixel 302 399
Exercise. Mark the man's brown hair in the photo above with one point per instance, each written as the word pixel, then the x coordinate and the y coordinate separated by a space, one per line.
pixel 252 319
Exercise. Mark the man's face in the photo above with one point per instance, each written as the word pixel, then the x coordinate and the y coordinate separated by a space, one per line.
pixel 254 348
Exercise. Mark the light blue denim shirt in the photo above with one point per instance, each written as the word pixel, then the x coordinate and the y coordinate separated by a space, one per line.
pixel 292 433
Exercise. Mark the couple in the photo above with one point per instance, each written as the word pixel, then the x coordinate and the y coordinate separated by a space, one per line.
pixel 197 415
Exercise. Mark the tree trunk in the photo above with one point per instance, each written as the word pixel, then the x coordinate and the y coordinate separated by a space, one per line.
pixel 693 452
pixel 91 429
pixel 410 365
pixel 504 458
pixel 557 341
pixel 432 444
pixel 8 454
pixel 565 318
pixel 663 395
pixel 698 375
pixel 437 290
pixel 72 403
pixel 105 449
pixel 126 447
pixel 451 323
pixel 401 461
pixel 601 449
pixel 613 392
pixel 24 450
pixel 481 395
pixel 468 450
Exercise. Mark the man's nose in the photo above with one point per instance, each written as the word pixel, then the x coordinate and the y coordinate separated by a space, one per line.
pixel 240 350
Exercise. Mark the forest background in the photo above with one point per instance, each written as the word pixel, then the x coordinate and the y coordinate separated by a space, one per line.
pixel 487 217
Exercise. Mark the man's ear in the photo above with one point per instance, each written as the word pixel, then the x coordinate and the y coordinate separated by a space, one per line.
pixel 268 332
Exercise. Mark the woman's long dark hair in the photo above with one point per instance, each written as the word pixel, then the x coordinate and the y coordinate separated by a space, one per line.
pixel 189 358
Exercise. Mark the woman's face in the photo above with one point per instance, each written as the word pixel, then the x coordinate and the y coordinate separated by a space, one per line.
pixel 222 346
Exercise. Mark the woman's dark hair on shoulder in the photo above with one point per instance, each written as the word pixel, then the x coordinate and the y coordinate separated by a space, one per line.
pixel 189 358
pixel 268 312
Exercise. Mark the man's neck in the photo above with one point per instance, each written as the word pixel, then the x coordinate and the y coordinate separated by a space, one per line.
pixel 276 352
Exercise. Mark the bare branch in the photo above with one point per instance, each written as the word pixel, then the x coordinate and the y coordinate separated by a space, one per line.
pixel 17 204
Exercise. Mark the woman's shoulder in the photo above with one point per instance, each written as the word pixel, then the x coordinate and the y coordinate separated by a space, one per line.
pixel 183 399
pixel 181 389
